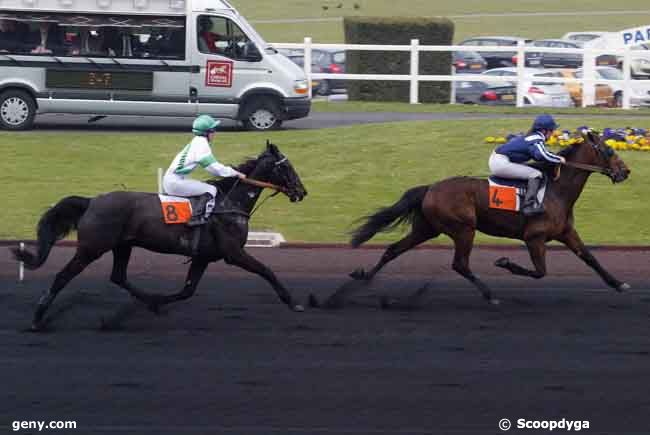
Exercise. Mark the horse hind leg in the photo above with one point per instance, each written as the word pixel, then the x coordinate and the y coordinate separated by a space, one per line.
pixel 421 231
pixel 74 267
pixel 463 243
pixel 121 257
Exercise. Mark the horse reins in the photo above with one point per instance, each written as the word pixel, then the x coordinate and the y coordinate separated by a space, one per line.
pixel 590 168
pixel 262 184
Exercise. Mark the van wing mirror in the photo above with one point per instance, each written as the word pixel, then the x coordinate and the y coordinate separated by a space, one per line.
pixel 251 53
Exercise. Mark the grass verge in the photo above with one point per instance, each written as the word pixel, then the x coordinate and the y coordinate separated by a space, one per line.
pixel 348 171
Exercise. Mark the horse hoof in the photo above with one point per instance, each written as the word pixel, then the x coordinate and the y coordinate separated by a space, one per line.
pixel 494 302
pixel 298 308
pixel 623 287
pixel 502 262
pixel 36 327
pixel 359 274
pixel 313 301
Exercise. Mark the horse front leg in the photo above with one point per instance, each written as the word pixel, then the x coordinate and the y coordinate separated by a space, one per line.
pixel 194 275
pixel 537 251
pixel 572 240
pixel 247 262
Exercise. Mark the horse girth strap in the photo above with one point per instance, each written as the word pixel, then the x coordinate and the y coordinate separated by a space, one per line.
pixel 262 184
pixel 590 168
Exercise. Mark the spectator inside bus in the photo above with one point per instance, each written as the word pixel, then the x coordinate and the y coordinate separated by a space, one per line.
pixel 13 35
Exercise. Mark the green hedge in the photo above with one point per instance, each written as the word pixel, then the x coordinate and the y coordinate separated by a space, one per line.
pixel 400 31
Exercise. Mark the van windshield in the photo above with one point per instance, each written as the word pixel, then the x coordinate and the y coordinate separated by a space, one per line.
pixel 252 34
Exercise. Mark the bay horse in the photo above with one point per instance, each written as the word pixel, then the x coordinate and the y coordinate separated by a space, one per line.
pixel 119 221
pixel 459 206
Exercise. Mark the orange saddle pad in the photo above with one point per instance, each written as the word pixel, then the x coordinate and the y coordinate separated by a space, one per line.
pixel 504 197
pixel 175 209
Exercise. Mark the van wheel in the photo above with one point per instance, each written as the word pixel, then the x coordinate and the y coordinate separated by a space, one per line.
pixel 17 110
pixel 262 114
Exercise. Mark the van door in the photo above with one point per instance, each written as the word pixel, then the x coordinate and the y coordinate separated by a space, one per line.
pixel 227 61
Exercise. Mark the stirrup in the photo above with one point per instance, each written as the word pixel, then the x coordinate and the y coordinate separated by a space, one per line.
pixel 197 220
pixel 532 209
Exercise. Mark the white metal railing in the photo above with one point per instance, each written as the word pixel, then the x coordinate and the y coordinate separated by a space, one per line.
pixel 589 55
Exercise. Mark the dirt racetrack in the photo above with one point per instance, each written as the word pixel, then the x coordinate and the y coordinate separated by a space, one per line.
pixel 233 360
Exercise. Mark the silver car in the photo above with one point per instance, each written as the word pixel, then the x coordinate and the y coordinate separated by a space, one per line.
pixel 537 93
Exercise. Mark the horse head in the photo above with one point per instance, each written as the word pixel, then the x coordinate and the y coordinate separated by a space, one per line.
pixel 275 167
pixel 595 152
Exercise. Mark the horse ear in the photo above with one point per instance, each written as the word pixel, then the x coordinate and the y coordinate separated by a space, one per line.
pixel 590 136
pixel 271 147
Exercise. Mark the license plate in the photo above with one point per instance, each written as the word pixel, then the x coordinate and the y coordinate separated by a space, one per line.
pixel 507 97
pixel 534 62
pixel 475 66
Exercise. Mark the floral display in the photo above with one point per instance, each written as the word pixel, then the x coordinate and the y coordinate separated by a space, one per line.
pixel 621 139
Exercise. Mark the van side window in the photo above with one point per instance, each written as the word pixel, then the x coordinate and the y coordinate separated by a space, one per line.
pixel 81 35
pixel 221 36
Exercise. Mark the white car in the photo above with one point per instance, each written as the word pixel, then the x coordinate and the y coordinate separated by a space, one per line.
pixel 538 93
pixel 584 36
pixel 640 62
pixel 640 89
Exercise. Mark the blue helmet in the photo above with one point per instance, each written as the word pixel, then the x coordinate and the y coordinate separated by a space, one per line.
pixel 545 122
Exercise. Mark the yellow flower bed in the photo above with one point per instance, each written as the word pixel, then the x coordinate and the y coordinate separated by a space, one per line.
pixel 621 140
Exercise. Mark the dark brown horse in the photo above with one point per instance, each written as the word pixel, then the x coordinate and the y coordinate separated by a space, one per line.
pixel 119 221
pixel 458 207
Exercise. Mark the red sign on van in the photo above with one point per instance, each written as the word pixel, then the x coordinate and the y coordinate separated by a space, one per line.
pixel 218 73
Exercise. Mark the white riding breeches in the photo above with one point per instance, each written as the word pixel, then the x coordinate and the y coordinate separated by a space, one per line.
pixel 501 166
pixel 179 186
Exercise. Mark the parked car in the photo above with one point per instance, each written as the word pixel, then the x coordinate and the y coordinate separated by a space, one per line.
pixel 569 60
pixel 494 94
pixel 299 59
pixel 330 62
pixel 640 89
pixel 584 36
pixel 501 58
pixel 604 93
pixel 640 62
pixel 538 93
pixel 559 60
pixel 468 62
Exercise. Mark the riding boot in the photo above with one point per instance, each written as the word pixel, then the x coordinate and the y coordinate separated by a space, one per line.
pixel 199 217
pixel 531 205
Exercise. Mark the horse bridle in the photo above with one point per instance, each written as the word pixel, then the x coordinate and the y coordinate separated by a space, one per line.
pixel 593 168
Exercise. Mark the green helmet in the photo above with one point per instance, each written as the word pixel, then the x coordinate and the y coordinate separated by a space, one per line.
pixel 204 124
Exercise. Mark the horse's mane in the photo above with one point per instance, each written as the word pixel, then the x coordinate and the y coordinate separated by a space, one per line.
pixel 225 184
pixel 547 167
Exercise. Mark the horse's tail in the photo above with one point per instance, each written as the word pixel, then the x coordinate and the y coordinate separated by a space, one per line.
pixel 54 225
pixel 388 218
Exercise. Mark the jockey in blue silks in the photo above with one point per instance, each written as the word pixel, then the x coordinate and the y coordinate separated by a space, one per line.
pixel 507 160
